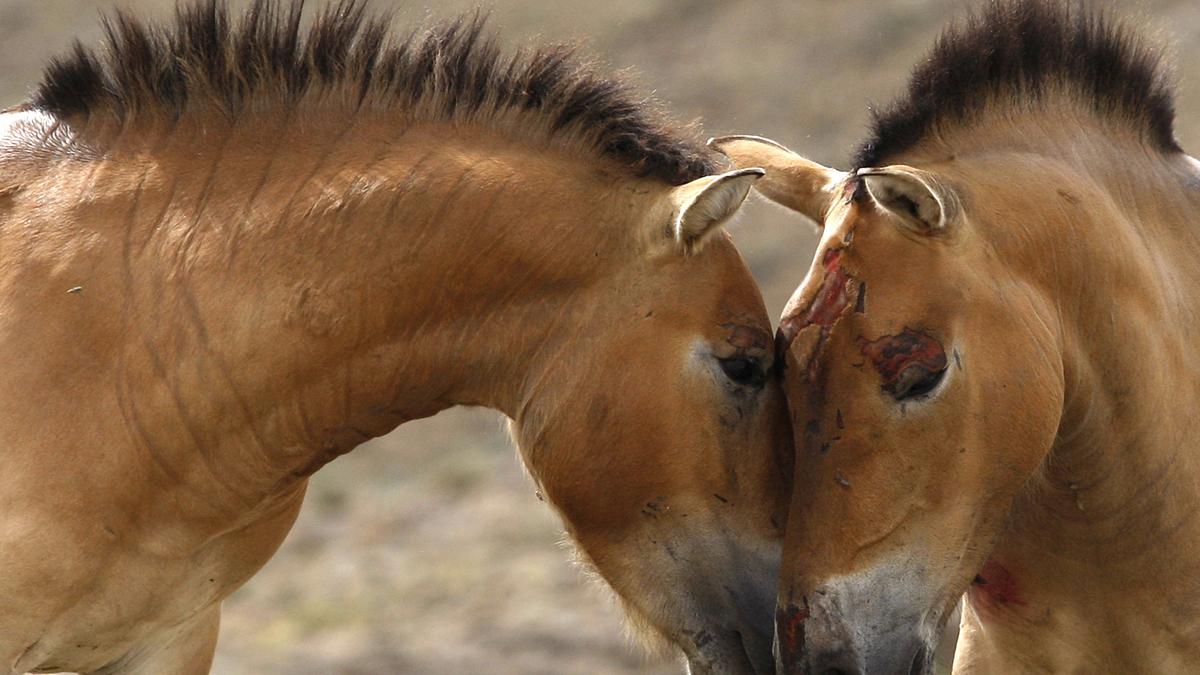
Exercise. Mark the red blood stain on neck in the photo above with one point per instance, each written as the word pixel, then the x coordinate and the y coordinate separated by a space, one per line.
pixel 994 587
pixel 892 354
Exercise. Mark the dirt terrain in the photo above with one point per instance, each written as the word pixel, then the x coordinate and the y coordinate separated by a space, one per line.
pixel 426 551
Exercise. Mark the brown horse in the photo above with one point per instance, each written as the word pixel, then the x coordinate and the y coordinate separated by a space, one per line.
pixel 992 365
pixel 233 249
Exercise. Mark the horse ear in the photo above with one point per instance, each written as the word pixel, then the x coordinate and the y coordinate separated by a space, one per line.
pixel 915 197
pixel 703 205
pixel 791 180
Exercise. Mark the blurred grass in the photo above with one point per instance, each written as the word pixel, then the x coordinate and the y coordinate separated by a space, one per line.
pixel 426 551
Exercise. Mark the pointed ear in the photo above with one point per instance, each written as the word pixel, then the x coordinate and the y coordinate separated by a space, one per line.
pixel 915 197
pixel 791 180
pixel 703 205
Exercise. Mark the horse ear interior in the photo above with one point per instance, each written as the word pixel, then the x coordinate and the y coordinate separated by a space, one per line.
pixel 705 204
pixel 791 180
pixel 918 200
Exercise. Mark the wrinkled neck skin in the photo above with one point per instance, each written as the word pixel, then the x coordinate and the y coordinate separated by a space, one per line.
pixel 241 311
pixel 367 301
pixel 1099 567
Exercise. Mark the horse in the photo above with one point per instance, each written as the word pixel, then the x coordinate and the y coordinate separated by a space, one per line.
pixel 992 366
pixel 233 248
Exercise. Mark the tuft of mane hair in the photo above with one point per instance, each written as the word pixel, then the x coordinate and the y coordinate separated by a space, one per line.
pixel 1019 51
pixel 452 71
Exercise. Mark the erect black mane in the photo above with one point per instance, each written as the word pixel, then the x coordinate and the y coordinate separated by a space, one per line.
pixel 1017 51
pixel 451 71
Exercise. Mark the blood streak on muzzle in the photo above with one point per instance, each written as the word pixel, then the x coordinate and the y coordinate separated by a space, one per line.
pixel 893 354
pixel 789 623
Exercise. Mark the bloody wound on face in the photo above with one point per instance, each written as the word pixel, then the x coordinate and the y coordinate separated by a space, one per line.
pixel 893 354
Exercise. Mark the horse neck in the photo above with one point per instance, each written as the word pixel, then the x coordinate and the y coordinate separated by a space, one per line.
pixel 1111 521
pixel 360 275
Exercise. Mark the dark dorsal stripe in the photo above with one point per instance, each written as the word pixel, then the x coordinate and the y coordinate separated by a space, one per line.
pixel 208 58
pixel 1017 50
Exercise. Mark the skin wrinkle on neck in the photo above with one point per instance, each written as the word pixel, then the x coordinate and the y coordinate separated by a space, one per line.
pixel 244 219
pixel 130 298
pixel 202 200
pixel 318 164
pixel 138 227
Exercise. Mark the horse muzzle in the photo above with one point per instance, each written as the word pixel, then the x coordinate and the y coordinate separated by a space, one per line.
pixel 869 623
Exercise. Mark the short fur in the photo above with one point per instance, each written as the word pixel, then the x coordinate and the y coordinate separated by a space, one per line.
pixel 208 59
pixel 1019 50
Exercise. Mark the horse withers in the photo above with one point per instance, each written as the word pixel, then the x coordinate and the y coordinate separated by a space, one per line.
pixel 992 365
pixel 232 250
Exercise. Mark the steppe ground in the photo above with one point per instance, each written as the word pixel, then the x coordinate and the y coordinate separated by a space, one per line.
pixel 426 551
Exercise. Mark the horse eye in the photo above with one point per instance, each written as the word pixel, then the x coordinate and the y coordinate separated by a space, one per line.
pixel 916 381
pixel 743 370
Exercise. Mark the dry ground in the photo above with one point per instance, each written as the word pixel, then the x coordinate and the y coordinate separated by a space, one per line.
pixel 426 551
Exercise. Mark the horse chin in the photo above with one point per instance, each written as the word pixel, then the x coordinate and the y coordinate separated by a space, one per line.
pixel 728 654
pixel 709 647
pixel 716 608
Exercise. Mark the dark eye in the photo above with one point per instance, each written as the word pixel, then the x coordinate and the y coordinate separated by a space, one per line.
pixel 743 370
pixel 916 380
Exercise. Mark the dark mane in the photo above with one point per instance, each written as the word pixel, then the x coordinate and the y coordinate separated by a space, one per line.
pixel 1017 50
pixel 452 71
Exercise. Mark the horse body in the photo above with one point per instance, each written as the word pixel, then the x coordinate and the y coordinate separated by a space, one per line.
pixel 200 310
pixel 992 367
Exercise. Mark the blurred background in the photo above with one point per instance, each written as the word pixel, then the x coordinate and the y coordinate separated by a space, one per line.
pixel 426 551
